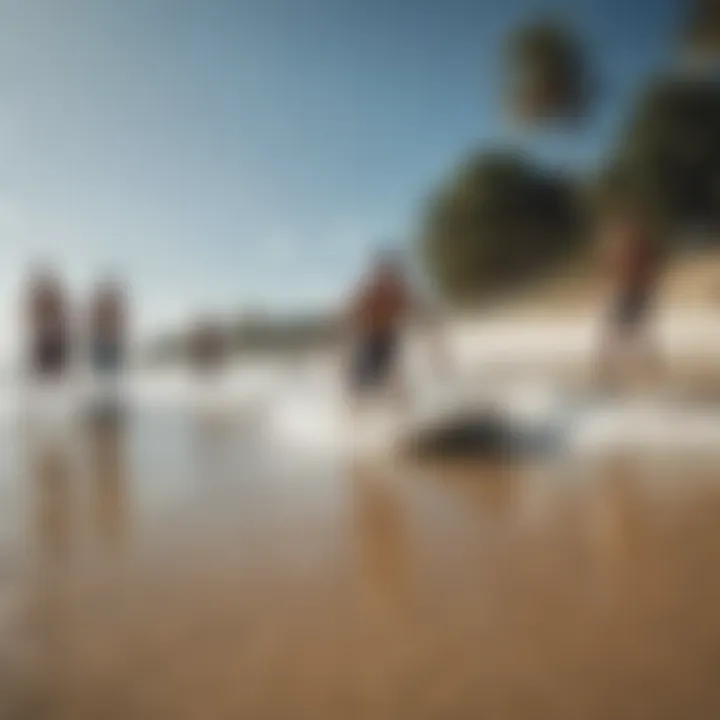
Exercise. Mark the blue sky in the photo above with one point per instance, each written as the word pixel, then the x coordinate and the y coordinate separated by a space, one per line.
pixel 223 153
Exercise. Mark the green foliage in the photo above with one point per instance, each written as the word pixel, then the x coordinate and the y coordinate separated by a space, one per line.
pixel 499 221
pixel 668 160
pixel 548 72
pixel 701 28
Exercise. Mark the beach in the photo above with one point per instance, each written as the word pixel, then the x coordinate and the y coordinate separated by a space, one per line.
pixel 359 360
pixel 190 563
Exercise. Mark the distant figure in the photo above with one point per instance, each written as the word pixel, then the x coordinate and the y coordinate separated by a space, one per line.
pixel 633 260
pixel 108 328
pixel 48 325
pixel 376 317
pixel 207 346
pixel 107 337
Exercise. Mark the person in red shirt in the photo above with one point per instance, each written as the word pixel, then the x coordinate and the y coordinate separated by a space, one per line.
pixel 633 261
pixel 376 316
pixel 48 322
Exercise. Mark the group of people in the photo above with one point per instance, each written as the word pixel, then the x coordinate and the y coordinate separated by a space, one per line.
pixel 376 316
pixel 55 335
pixel 100 333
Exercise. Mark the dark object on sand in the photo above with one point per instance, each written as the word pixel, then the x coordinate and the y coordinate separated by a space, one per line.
pixel 481 435
pixel 486 434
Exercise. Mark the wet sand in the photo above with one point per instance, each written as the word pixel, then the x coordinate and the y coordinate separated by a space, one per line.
pixel 176 568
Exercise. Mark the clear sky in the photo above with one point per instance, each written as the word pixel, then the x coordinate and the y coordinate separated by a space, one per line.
pixel 226 152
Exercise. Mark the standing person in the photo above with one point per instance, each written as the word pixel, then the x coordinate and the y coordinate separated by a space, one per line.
pixel 48 326
pixel 376 315
pixel 108 329
pixel 632 257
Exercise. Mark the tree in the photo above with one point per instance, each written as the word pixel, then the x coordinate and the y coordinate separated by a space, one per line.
pixel 668 157
pixel 701 29
pixel 549 75
pixel 499 221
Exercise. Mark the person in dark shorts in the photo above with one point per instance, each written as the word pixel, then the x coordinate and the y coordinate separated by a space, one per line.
pixel 48 323
pixel 374 360
pixel 376 316
pixel 108 328
pixel 633 260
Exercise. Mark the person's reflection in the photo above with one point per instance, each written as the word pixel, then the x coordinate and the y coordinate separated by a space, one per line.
pixel 381 533
pixel 210 451
pixel 53 506
pixel 611 526
pixel 53 526
pixel 108 481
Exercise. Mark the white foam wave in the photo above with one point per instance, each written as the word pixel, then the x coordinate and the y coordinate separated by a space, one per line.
pixel 321 422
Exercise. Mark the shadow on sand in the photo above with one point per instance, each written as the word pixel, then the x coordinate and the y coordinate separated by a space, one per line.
pixel 487 434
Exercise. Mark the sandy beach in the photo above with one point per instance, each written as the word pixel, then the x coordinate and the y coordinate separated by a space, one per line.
pixel 186 565
pixel 359 360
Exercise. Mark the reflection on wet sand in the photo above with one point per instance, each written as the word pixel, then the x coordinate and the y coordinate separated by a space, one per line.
pixel 108 481
pixel 381 533
pixel 49 621
pixel 611 524
pixel 399 591
pixel 53 497
pixel 64 599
